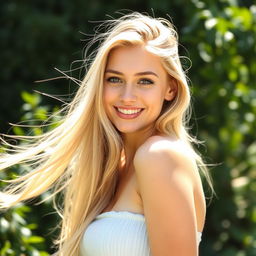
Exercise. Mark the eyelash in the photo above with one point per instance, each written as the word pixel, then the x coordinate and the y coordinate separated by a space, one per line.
pixel 116 80
pixel 148 81
pixel 110 79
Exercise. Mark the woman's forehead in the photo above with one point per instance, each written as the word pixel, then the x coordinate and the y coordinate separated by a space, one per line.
pixel 135 58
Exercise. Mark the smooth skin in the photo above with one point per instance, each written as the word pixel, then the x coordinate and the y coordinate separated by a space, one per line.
pixel 171 191
pixel 135 87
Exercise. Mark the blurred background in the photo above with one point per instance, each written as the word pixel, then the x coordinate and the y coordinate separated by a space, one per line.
pixel 37 37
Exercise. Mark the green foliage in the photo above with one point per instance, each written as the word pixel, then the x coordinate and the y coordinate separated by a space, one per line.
pixel 17 235
pixel 20 229
pixel 219 38
pixel 223 75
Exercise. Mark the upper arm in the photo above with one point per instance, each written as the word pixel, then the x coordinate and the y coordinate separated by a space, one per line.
pixel 165 180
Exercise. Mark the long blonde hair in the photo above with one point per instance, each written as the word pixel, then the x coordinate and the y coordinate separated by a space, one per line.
pixel 80 157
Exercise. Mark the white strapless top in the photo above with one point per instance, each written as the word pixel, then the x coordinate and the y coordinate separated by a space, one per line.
pixel 117 233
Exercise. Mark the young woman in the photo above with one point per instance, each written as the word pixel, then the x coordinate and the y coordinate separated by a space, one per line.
pixel 122 156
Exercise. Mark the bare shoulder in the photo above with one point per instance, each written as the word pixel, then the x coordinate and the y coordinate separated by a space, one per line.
pixel 168 182
pixel 160 150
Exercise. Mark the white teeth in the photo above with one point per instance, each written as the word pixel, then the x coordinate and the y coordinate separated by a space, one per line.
pixel 129 111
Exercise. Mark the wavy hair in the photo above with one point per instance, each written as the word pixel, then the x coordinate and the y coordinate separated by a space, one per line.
pixel 80 157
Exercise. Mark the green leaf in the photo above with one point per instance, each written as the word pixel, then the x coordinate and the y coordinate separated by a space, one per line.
pixel 6 250
pixel 35 240
pixel 31 98
pixel 18 131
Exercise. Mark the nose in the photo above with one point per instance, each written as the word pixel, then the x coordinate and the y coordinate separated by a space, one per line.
pixel 128 94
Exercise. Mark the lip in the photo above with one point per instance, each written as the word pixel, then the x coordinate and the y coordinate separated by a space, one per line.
pixel 128 116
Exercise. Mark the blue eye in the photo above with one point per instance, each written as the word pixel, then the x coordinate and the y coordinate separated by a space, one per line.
pixel 146 81
pixel 114 79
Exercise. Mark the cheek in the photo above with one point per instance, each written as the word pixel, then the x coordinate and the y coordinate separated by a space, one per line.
pixel 155 98
pixel 106 102
pixel 107 95
pixel 157 104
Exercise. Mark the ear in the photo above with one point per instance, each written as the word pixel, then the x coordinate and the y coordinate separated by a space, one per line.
pixel 171 89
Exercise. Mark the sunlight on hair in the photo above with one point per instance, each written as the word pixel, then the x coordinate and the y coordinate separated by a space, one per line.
pixel 79 158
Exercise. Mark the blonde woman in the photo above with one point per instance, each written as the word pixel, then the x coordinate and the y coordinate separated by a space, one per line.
pixel 121 155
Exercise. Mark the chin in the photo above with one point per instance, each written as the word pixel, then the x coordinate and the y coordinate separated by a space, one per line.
pixel 132 129
pixel 127 131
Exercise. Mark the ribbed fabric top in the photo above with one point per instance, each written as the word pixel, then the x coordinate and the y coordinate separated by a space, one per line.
pixel 117 233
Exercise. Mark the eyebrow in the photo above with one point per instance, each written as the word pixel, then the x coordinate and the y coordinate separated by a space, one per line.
pixel 137 74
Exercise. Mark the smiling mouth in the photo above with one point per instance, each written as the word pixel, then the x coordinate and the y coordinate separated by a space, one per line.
pixel 128 112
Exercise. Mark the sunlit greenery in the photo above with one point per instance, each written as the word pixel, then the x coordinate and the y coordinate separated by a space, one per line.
pixel 24 229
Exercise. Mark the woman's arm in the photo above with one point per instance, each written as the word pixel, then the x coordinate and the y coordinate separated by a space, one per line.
pixel 166 175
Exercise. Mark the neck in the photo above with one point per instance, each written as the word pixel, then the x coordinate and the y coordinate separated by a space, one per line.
pixel 132 141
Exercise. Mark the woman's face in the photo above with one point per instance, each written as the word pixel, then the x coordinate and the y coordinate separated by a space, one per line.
pixel 135 87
